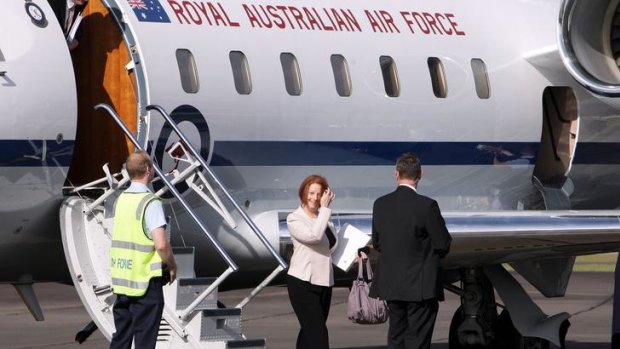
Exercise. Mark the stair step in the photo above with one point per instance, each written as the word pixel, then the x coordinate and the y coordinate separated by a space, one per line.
pixel 184 257
pixel 189 289
pixel 218 324
pixel 258 343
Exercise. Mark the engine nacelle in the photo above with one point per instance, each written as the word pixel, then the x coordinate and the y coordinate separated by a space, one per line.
pixel 589 43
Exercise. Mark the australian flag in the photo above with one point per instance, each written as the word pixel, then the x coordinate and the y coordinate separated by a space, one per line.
pixel 149 11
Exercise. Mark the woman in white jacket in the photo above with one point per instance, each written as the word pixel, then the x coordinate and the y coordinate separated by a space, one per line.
pixel 310 275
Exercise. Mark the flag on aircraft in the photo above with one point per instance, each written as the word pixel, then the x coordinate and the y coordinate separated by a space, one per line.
pixel 149 11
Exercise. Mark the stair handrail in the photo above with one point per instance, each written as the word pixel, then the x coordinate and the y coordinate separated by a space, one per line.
pixel 205 167
pixel 282 265
pixel 231 264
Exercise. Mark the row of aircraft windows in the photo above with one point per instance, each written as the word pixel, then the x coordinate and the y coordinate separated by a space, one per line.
pixel 340 67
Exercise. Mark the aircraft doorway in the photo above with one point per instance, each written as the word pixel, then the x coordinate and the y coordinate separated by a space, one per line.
pixel 557 146
pixel 101 77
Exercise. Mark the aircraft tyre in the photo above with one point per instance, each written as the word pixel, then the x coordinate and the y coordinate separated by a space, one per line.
pixel 453 337
pixel 507 336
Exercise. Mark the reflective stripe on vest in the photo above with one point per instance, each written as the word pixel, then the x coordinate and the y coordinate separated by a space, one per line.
pixel 133 258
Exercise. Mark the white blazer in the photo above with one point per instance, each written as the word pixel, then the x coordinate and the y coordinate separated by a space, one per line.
pixel 312 257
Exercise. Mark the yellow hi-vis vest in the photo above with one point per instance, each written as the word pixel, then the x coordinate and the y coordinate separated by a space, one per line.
pixel 133 258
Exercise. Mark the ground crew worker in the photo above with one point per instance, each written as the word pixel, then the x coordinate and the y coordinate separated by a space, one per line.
pixel 139 246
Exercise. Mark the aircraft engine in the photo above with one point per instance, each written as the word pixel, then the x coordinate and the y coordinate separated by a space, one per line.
pixel 589 44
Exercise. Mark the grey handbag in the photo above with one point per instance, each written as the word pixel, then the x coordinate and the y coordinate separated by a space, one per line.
pixel 361 308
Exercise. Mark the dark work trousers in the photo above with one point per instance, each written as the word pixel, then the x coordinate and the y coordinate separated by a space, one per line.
pixel 311 305
pixel 138 318
pixel 411 324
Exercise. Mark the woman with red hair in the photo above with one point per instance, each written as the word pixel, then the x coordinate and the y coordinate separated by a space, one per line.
pixel 310 276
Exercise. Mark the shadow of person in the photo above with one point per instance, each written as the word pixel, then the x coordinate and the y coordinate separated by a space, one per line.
pixel 99 65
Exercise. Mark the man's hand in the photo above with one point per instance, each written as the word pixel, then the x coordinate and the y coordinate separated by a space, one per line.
pixel 173 274
pixel 72 44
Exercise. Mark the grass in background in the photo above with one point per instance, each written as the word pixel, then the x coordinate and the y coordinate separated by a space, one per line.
pixel 605 262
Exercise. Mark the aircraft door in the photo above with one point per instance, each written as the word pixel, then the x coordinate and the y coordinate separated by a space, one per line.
pixel 37 129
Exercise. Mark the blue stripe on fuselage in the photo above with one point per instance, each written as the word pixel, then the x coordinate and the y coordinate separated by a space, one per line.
pixel 291 153
pixel 597 153
pixel 27 153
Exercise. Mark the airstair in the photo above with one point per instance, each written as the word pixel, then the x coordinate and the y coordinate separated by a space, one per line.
pixel 192 317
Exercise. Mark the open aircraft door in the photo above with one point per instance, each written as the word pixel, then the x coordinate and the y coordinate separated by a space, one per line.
pixel 37 129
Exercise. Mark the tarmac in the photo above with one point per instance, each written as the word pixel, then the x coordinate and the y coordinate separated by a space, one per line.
pixel 270 316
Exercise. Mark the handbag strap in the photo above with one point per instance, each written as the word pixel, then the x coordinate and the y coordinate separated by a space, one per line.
pixel 368 270
pixel 360 267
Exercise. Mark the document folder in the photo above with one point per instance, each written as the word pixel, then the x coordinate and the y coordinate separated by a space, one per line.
pixel 350 239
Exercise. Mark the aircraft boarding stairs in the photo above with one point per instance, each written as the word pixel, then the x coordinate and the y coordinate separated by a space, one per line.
pixel 191 318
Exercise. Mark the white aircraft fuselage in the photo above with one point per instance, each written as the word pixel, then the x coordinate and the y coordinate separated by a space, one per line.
pixel 263 143
pixel 465 85
pixel 511 106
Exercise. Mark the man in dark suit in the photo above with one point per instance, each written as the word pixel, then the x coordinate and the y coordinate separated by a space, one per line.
pixel 67 11
pixel 411 236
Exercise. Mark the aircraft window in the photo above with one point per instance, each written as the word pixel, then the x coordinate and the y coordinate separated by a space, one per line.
pixel 341 75
pixel 438 77
pixel 188 71
pixel 390 76
pixel 481 78
pixel 292 76
pixel 241 72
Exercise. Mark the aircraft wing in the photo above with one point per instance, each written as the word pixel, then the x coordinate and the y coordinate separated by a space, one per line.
pixel 486 238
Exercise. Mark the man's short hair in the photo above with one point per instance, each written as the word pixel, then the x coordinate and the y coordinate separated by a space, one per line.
pixel 408 166
pixel 137 164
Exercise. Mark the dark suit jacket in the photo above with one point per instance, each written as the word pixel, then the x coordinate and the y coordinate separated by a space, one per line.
pixel 60 10
pixel 410 233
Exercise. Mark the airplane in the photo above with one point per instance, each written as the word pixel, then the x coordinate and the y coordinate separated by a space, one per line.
pixel 512 107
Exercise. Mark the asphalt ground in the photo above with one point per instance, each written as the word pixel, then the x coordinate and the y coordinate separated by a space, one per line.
pixel 270 316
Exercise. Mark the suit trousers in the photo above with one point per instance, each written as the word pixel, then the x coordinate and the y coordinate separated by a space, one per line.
pixel 411 324
pixel 311 305
pixel 137 318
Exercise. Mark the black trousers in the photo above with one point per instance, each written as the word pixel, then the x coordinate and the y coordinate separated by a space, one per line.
pixel 311 305
pixel 137 318
pixel 411 324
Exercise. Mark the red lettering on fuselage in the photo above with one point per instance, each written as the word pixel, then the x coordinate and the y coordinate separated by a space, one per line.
pixel 427 23
pixel 198 12
pixel 301 18
pixel 381 21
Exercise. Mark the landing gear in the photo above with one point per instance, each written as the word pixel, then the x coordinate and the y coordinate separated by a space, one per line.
pixel 507 336
pixel 476 324
pixel 471 325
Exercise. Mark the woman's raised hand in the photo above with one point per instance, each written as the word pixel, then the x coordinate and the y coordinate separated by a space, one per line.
pixel 327 198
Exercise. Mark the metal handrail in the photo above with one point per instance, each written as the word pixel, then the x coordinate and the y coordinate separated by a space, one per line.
pixel 198 157
pixel 282 265
pixel 187 207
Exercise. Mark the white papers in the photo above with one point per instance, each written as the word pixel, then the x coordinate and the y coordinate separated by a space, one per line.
pixel 350 239
pixel 74 27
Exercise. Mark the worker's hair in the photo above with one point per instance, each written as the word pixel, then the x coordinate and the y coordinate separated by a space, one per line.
pixel 137 164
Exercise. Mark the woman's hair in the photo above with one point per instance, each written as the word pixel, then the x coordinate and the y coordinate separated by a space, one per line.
pixel 305 186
